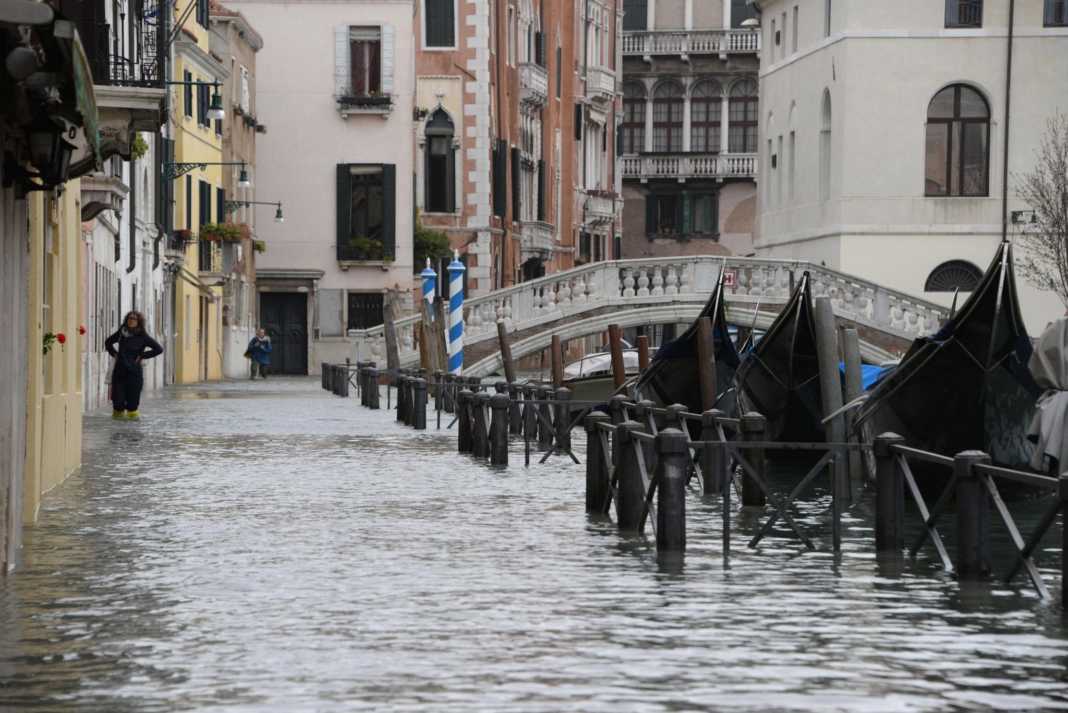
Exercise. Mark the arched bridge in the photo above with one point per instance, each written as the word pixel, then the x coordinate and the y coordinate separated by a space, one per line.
pixel 585 300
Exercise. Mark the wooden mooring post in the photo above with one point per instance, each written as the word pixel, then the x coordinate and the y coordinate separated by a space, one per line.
pixel 615 345
pixel 480 442
pixel 630 486
pixel 506 352
pixel 831 393
pixel 889 496
pixel 597 485
pixel 499 429
pixel 973 517
pixel 463 420
pixel 643 352
pixel 419 398
pixel 673 458
pixel 854 387
pixel 545 417
pixel 515 409
pixel 753 427
pixel 713 461
pixel 556 352
pixel 706 363
pixel 373 394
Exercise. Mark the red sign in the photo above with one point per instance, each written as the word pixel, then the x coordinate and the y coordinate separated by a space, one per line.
pixel 729 278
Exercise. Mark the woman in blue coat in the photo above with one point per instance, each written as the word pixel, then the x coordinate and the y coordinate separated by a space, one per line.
pixel 259 353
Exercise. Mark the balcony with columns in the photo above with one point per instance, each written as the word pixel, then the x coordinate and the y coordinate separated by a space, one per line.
pixel 686 43
pixel 533 84
pixel 683 166
pixel 601 84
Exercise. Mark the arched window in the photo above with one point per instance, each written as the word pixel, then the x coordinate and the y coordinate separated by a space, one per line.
pixel 825 146
pixel 743 117
pixel 954 275
pixel 440 174
pixel 633 118
pixel 958 143
pixel 667 118
pixel 705 108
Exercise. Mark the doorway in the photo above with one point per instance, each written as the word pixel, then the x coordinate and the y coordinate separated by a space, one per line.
pixel 285 317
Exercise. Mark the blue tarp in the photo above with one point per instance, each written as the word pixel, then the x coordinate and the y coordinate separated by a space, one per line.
pixel 869 374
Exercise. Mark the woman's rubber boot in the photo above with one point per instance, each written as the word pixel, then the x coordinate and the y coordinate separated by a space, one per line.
pixel 133 415
pixel 118 415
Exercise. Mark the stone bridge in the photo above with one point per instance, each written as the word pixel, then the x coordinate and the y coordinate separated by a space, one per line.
pixel 585 300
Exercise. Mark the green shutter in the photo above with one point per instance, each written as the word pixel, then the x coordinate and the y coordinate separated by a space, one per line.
pixel 516 192
pixel 541 190
pixel 389 211
pixel 344 207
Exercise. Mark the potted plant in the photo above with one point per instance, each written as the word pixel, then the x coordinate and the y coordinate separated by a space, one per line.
pixel 367 248
pixel 224 232
pixel 259 246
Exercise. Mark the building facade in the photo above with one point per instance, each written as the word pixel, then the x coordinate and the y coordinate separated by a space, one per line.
pixel 236 42
pixel 885 128
pixel 49 134
pixel 196 198
pixel 688 135
pixel 339 156
pixel 121 230
pixel 516 106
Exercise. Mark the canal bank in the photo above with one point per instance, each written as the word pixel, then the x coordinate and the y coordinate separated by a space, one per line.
pixel 265 546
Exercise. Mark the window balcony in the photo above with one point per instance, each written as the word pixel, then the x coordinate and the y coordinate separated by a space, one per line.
pixel 533 84
pixel 536 239
pixel 601 84
pixel 601 207
pixel 684 166
pixel 683 43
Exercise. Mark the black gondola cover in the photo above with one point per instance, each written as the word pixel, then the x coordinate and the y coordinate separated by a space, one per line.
pixel 780 377
pixel 966 387
pixel 672 377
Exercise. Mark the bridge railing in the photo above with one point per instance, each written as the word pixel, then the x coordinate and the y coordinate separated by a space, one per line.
pixel 629 283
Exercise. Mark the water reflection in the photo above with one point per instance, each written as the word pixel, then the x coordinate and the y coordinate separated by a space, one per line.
pixel 271 548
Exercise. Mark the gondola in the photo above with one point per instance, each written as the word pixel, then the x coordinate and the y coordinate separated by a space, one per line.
pixel 672 376
pixel 779 378
pixel 967 386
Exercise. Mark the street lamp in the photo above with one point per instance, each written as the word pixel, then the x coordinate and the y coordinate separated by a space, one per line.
pixel 231 206
pixel 215 110
pixel 242 179
pixel 178 169
pixel 278 215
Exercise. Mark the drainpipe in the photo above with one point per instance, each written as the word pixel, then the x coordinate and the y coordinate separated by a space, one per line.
pixel 1008 100
pixel 133 216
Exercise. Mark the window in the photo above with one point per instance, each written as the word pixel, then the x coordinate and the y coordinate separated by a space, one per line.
pixel 510 30
pixel 954 275
pixel 741 10
pixel 633 127
pixel 440 19
pixel 204 217
pixel 246 91
pixel 188 202
pixel 825 147
pixel 203 101
pixel 964 13
pixel 366 208
pixel 440 174
pixel 220 205
pixel 188 93
pixel 792 159
pixel 827 18
pixel 1056 14
pixel 793 40
pixel 743 106
pixel 365 48
pixel 705 108
pixel 500 177
pixel 365 310
pixel 635 14
pixel 203 13
pixel 703 212
pixel 667 118
pixel 667 213
pixel 559 61
pixel 958 143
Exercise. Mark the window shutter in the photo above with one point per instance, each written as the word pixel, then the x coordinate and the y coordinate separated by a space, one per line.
pixel 389 211
pixel 559 71
pixel 541 190
pixel 500 168
pixel 635 16
pixel 386 65
pixel 342 75
pixel 188 202
pixel 516 192
pixel 344 208
pixel 188 94
pixel 374 71
pixel 619 141
pixel 220 205
pixel 450 181
pixel 578 122
pixel 650 214
pixel 167 194
pixel 539 49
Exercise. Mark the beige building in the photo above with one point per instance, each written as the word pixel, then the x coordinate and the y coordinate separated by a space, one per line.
pixel 884 129
pixel 335 83
pixel 688 135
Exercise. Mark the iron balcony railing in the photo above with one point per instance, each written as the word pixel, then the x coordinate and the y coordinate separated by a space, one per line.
pixel 126 56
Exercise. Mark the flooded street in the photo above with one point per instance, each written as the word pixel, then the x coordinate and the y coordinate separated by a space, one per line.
pixel 269 547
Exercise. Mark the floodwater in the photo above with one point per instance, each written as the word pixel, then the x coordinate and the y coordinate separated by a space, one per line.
pixel 268 547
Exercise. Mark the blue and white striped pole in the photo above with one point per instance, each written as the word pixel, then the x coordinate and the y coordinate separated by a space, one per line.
pixel 456 314
pixel 430 286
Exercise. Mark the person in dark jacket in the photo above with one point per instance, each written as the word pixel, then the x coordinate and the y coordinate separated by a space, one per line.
pixel 129 347
pixel 259 353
